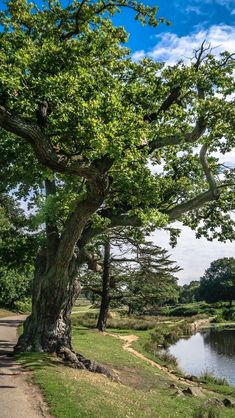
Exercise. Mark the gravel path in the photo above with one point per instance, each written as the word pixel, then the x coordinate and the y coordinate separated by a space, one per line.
pixel 19 398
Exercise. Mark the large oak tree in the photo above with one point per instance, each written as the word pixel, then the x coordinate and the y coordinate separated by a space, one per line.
pixel 79 116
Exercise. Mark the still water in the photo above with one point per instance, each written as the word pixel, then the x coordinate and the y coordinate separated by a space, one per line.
pixel 211 350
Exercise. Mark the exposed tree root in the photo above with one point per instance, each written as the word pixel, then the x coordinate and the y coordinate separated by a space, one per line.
pixel 77 361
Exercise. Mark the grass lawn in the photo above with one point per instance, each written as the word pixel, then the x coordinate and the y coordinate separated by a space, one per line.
pixel 143 391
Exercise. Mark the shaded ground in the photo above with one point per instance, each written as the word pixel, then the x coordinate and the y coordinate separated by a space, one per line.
pixel 19 398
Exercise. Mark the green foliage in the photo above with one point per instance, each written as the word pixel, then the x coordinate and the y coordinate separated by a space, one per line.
pixel 166 334
pixel 229 314
pixel 218 282
pixel 14 286
pixel 189 292
pixel 100 101
pixel 189 309
pixel 17 242
pixel 23 306
pixel 167 358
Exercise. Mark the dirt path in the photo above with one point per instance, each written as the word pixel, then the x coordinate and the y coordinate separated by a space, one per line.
pixel 127 346
pixel 18 397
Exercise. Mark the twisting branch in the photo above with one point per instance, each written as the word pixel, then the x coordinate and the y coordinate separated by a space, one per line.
pixel 208 173
pixel 45 152
pixel 188 137
pixel 168 102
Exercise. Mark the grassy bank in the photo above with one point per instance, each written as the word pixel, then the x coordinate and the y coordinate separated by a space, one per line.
pixel 143 391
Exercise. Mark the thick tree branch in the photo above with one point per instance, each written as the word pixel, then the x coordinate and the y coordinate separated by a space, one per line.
pixel 42 147
pixel 208 173
pixel 172 98
pixel 188 137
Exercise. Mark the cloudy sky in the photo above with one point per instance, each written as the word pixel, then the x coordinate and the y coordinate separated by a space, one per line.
pixel 192 22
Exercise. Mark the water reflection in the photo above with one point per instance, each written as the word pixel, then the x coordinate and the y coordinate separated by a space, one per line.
pixel 222 341
pixel 211 350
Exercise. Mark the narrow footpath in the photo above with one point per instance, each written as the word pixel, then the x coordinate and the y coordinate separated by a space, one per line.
pixel 19 398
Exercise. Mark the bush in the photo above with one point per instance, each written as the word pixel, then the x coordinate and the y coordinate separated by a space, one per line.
pixel 164 335
pixel 23 306
pixel 229 314
pixel 167 358
pixel 14 286
pixel 218 319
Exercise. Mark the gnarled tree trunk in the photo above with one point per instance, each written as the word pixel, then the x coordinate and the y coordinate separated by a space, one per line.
pixel 48 328
pixel 55 288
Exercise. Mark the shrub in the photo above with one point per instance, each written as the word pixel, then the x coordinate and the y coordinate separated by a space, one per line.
pixel 229 314
pixel 164 335
pixel 218 319
pixel 23 306
pixel 14 286
pixel 167 358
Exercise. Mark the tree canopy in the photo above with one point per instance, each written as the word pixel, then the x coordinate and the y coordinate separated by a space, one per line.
pixel 218 282
pixel 85 125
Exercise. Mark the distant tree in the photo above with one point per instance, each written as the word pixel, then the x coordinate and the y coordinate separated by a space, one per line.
pixel 189 292
pixel 17 250
pixel 218 282
pixel 141 277
pixel 18 241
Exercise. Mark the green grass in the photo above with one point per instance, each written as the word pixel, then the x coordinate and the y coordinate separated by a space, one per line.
pixel 144 391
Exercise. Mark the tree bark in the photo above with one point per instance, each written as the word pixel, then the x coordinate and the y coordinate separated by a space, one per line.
pixel 55 286
pixel 48 328
pixel 105 298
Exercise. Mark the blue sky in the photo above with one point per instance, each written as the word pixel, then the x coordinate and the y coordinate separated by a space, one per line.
pixel 187 17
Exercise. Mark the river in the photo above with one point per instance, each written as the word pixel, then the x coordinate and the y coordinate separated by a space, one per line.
pixel 211 350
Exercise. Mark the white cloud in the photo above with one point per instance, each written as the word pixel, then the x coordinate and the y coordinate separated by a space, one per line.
pixel 194 9
pixel 193 255
pixel 225 3
pixel 171 48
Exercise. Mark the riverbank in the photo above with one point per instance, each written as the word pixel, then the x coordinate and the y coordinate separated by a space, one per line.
pixel 143 391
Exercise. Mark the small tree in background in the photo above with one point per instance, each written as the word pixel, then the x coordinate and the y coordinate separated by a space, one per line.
pixel 140 276
pixel 218 282
pixel 189 292
pixel 18 245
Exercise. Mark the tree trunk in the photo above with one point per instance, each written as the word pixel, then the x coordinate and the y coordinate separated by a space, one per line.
pixel 105 297
pixel 56 287
pixel 48 328
pixel 130 309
